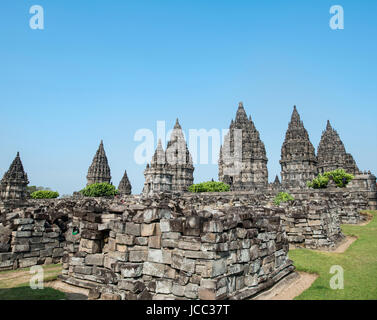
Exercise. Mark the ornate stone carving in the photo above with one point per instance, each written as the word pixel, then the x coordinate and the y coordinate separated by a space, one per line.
pixel 99 171
pixel 14 183
pixel 298 159
pixel 179 159
pixel 332 153
pixel 125 185
pixel 243 164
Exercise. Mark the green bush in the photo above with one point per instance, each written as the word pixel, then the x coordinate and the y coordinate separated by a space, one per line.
pixel 210 186
pixel 340 177
pixel 282 197
pixel 99 190
pixel 320 182
pixel 44 194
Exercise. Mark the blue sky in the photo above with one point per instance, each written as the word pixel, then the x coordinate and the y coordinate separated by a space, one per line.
pixel 105 69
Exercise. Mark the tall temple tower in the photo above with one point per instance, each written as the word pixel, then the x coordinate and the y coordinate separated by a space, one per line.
pixel 298 160
pixel 243 160
pixel 332 153
pixel 158 175
pixel 179 159
pixel 125 185
pixel 14 183
pixel 99 171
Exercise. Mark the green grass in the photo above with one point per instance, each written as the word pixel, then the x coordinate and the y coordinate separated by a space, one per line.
pixel 24 292
pixel 359 263
pixel 16 285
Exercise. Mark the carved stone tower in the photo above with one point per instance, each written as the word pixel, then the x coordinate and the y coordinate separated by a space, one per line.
pixel 14 183
pixel 179 159
pixel 99 171
pixel 125 185
pixel 332 153
pixel 298 160
pixel 243 160
pixel 158 175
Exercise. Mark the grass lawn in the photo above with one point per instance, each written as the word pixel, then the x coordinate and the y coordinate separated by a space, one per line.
pixel 359 263
pixel 14 285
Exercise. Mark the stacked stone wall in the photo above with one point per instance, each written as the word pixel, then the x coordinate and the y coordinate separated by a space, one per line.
pixel 31 234
pixel 166 249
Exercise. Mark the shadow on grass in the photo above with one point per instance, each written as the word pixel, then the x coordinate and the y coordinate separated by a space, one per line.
pixel 26 293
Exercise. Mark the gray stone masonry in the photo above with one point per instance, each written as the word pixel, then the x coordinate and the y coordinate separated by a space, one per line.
pixel 14 183
pixel 243 160
pixel 163 248
pixel 298 159
pixel 99 170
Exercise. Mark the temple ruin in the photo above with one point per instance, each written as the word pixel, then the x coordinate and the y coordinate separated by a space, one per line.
pixel 167 243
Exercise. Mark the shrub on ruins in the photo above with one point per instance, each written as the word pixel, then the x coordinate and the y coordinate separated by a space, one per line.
pixel 44 194
pixel 282 197
pixel 320 182
pixel 99 190
pixel 340 177
pixel 210 186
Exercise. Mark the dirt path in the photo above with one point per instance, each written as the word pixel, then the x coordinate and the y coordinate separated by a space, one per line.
pixel 290 287
pixel 72 292
pixel 15 278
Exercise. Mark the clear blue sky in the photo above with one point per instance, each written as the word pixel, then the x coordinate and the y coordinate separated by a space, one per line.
pixel 104 69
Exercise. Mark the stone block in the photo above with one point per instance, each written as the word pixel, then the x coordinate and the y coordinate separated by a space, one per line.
pixel 133 229
pixel 90 246
pixel 131 270
pixel 164 286
pixel 154 242
pixel 138 256
pixel 83 270
pixel 206 294
pixel 21 248
pixel 189 244
pixel 148 229
pixel 125 239
pixel 213 226
pixel 94 259
pixel 191 291
pixel 154 269
pixel 28 262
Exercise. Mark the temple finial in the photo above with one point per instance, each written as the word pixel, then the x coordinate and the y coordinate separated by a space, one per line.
pixel 328 126
pixel 177 125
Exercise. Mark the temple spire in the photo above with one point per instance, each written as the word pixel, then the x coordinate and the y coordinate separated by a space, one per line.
pixel 179 159
pixel 15 180
pixel 241 115
pixel 125 185
pixel 332 153
pixel 328 126
pixel 99 170
pixel 177 125
pixel 250 151
pixel 298 159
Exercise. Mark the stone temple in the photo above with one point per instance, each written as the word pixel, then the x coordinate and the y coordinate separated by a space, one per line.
pixel 332 154
pixel 243 160
pixel 158 174
pixel 14 183
pixel 99 170
pixel 171 244
pixel 298 159
pixel 170 170
pixel 125 185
